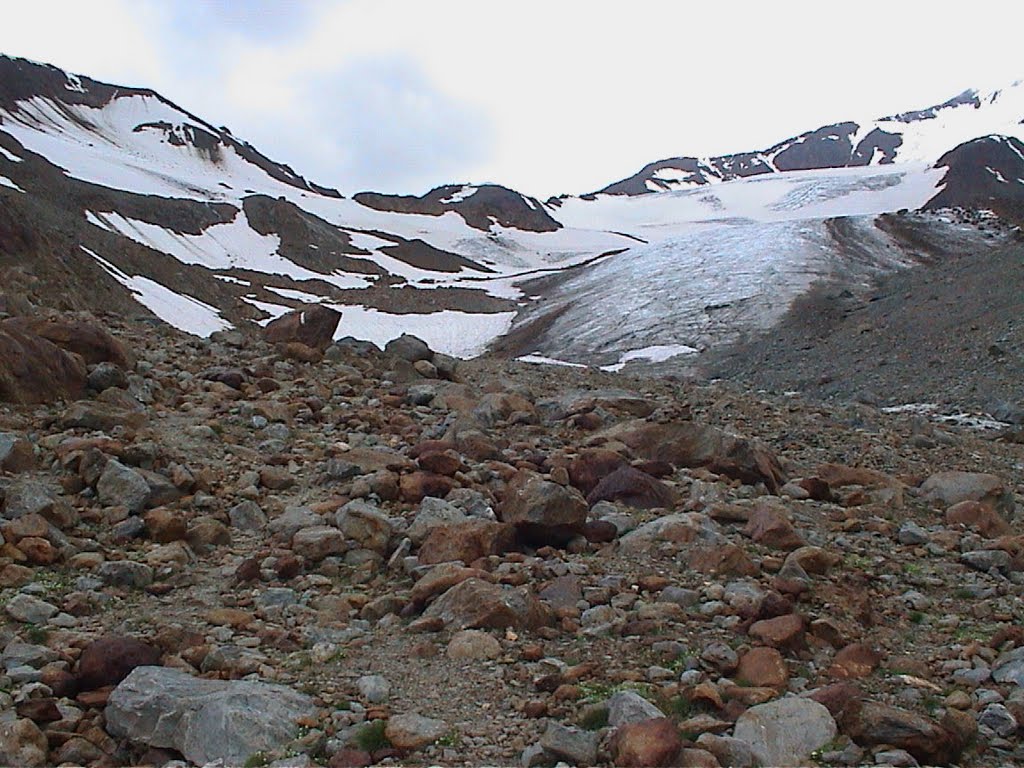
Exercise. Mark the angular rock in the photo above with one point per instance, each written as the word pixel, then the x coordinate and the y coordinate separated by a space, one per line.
pixel 34 370
pixel 22 744
pixel 410 348
pixel 374 688
pixel 319 541
pixel 30 610
pixel 588 469
pixel 543 512
pixel 111 658
pixel 313 326
pixel 980 517
pixel 681 529
pixel 763 667
pixel 27 496
pixel 630 707
pixel 633 488
pixel 433 513
pixel 780 632
pixel 105 376
pixel 440 579
pixel 768 525
pixel 651 743
pixel 688 444
pixel 477 604
pixel 467 541
pixel 412 731
pixel 952 487
pixel 125 573
pixel 574 745
pixel 80 335
pixel 870 724
pixel 247 516
pixel 205 720
pixel 122 486
pixel 787 731
pixel 16 454
pixel 366 525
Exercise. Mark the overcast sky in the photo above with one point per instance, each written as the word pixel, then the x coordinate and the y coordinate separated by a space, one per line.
pixel 545 96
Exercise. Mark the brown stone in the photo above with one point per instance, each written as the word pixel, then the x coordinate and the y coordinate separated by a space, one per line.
pixel 467 541
pixel 592 466
pixel 229 617
pixel 600 531
pixel 108 660
pixel 870 724
pixel 688 444
pixel 39 710
pixel 442 578
pixel 634 489
pixel 165 525
pixel 313 325
pixel 542 511
pixel 416 486
pixel 763 667
pixel 34 370
pixel 350 758
pixel 769 525
pixel 16 455
pixel 79 335
pixel 38 551
pixel 446 463
pixel 647 743
pixel 786 632
pixel 855 660
pixel 477 604
pixel 303 353
pixel 276 478
pixel 722 559
pixel 836 698
pixel 980 517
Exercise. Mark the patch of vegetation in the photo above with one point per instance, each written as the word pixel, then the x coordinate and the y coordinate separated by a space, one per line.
pixel 371 737
pixel 916 617
pixel 36 634
pixel 450 739
pixel 594 719
pixel 257 760
pixel 593 691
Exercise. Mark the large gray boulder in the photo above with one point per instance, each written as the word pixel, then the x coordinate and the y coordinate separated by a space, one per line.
pixel 205 720
pixel 787 731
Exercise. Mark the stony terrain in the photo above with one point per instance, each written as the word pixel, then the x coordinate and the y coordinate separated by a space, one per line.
pixel 277 549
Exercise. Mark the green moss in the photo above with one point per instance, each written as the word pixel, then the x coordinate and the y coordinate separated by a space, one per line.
pixel 371 737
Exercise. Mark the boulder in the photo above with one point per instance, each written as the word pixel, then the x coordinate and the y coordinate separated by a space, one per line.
pixel 16 454
pixel 592 466
pixel 787 731
pixel 543 512
pixel 979 516
pixel 633 488
pixel 79 335
pixel 648 743
pixel 688 444
pixel 34 370
pixel 467 541
pixel 682 529
pixel 313 326
pixel 440 579
pixel 366 525
pixel 22 743
pixel 870 724
pixel 630 707
pixel 472 644
pixel 411 731
pixel 574 745
pixel 409 348
pixel 122 486
pixel 952 487
pixel 770 526
pixel 111 658
pixel 205 720
pixel 318 541
pixel 477 604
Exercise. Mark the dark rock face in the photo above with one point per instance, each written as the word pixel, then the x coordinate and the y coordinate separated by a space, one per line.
pixel 633 488
pixel 313 326
pixel 488 204
pixel 543 511
pixel 870 724
pixel 984 173
pixel 111 659
pixel 34 370
pixel 78 335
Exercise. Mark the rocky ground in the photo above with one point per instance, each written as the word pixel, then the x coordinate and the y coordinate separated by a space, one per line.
pixel 280 551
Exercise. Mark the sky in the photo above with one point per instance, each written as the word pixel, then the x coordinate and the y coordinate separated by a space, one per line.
pixel 544 96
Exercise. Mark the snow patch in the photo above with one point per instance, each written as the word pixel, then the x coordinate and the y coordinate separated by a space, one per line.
pixel 463 194
pixel 655 354
pixel 542 360
pixel 183 312
pixel 9 155
pixel 5 182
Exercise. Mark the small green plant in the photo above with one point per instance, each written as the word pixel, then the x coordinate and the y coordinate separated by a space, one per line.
pixel 257 760
pixel 450 739
pixel 962 593
pixel 36 634
pixel 916 617
pixel 594 718
pixel 371 737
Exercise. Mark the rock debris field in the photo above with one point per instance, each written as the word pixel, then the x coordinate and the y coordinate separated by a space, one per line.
pixel 274 549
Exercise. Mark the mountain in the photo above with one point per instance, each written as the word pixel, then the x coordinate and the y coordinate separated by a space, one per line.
pixel 116 199
pixel 911 137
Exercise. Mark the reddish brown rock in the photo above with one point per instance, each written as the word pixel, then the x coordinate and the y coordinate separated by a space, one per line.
pixel 786 632
pixel 477 604
pixel 836 698
pixel 592 466
pixel 855 660
pixel 442 578
pixel 769 525
pixel 165 525
pixel 762 667
pixel 79 335
pixel 446 463
pixel 109 660
pixel 34 370
pixel 647 743
pixel 723 559
pixel 600 531
pixel 313 326
pixel 817 489
pixel 870 724
pixel 303 353
pixel 542 511
pixel 634 489
pixel 467 541
pixel 979 517
pixel 39 710
pixel 16 454
pixel 416 486
pixel 688 444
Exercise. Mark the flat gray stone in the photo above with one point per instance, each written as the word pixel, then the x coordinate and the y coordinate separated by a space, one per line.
pixel 787 731
pixel 630 707
pixel 205 720
pixel 30 610
pixel 577 746
pixel 123 487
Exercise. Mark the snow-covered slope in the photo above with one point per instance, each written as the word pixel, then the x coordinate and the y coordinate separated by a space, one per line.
pixel 921 136
pixel 116 198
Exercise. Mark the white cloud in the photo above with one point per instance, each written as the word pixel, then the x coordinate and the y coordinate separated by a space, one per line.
pixel 547 97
